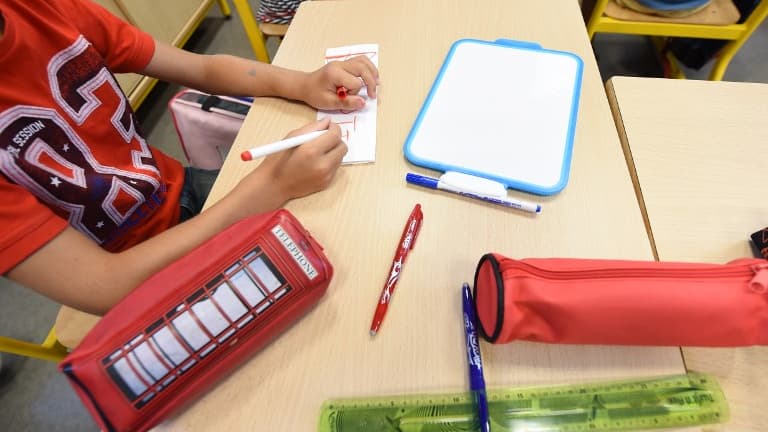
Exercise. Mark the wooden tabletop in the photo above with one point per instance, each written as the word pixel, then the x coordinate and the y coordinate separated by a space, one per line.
pixel 696 149
pixel 359 219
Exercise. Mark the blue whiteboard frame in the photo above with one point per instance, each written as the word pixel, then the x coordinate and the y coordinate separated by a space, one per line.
pixel 506 181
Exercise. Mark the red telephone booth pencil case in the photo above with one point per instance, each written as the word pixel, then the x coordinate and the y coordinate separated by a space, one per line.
pixel 614 302
pixel 181 330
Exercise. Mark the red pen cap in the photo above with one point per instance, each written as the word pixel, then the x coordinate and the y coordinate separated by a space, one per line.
pixel 419 216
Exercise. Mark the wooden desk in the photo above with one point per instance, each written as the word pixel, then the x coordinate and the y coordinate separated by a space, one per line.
pixel 359 218
pixel 695 150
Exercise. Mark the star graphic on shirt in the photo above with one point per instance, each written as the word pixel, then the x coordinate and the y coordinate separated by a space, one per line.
pixel 14 151
pixel 100 224
pixel 55 181
pixel 66 147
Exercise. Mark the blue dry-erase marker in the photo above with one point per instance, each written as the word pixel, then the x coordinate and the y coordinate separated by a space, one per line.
pixel 476 380
pixel 456 185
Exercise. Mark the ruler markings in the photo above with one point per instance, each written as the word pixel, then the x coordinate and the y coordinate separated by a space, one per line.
pixel 677 401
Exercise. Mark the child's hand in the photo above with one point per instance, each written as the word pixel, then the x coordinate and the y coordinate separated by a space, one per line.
pixel 321 85
pixel 308 168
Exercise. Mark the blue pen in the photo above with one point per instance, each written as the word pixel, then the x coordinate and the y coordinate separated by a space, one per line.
pixel 468 190
pixel 476 380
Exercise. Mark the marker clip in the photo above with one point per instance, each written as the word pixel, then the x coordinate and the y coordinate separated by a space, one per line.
pixel 474 184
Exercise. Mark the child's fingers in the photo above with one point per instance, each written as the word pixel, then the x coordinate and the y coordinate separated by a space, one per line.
pixel 327 141
pixel 350 103
pixel 310 127
pixel 367 65
pixel 335 155
pixel 360 73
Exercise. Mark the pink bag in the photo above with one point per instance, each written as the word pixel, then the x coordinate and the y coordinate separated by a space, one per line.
pixel 584 301
pixel 207 125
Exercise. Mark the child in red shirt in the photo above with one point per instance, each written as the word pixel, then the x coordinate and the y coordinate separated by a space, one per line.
pixel 88 209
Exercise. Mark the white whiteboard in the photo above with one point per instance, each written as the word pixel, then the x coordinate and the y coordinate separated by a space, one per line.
pixel 501 110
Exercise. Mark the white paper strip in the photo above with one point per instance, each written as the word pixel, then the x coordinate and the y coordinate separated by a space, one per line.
pixel 358 128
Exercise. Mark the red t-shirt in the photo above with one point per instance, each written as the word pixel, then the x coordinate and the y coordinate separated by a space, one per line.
pixel 70 149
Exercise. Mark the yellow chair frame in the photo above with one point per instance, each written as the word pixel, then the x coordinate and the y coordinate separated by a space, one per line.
pixel 257 35
pixel 50 349
pixel 736 34
pixel 145 86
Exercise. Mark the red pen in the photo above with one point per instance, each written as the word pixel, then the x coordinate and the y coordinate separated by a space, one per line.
pixel 407 240
pixel 341 92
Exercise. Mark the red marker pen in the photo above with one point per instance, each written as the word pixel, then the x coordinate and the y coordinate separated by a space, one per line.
pixel 341 92
pixel 407 240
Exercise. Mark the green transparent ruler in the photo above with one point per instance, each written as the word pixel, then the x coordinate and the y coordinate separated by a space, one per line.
pixel 676 401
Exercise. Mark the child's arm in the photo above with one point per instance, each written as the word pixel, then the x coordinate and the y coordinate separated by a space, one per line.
pixel 229 75
pixel 74 271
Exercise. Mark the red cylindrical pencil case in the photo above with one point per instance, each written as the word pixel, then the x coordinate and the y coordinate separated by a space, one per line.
pixel 615 302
